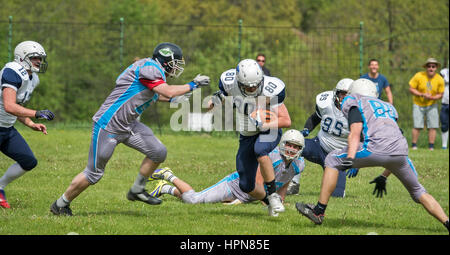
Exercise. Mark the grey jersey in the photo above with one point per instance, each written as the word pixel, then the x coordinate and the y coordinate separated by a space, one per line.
pixel 273 89
pixel 130 97
pixel 14 76
pixel 283 175
pixel 381 132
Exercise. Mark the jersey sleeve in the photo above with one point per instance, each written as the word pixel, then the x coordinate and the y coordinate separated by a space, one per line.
pixel 347 104
pixel 10 79
pixel 150 76
pixel 414 82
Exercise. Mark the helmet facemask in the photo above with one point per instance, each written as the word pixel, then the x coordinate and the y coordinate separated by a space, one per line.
pixel 338 97
pixel 288 150
pixel 255 93
pixel 174 67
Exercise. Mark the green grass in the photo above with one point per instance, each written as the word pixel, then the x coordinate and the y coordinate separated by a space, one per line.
pixel 202 160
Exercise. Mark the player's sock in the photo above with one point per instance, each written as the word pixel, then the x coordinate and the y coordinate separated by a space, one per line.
pixel 265 200
pixel 13 172
pixel 446 225
pixel 319 209
pixel 168 189
pixel 413 145
pixel 139 184
pixel 444 139
pixel 271 187
pixel 431 146
pixel 62 201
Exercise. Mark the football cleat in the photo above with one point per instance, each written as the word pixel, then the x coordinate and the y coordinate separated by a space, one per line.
pixel 3 202
pixel 56 210
pixel 143 197
pixel 161 174
pixel 157 191
pixel 293 188
pixel 271 211
pixel 275 202
pixel 307 211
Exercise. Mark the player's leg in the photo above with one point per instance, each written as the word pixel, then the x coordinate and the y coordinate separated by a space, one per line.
pixel 100 151
pixel 263 146
pixel 143 140
pixel 168 176
pixel 219 192
pixel 444 117
pixel 247 165
pixel 14 146
pixel 403 168
pixel 418 125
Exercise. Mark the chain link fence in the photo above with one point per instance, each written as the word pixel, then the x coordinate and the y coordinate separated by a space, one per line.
pixel 86 58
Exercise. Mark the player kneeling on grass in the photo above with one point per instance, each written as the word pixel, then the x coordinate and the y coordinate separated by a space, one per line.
pixel 383 144
pixel 141 84
pixel 18 80
pixel 286 162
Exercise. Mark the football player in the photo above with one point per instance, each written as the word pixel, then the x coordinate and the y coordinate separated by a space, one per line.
pixel 251 90
pixel 332 135
pixel 140 85
pixel 375 139
pixel 18 81
pixel 286 163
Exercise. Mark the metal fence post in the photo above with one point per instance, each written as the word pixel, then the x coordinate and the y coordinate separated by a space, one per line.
pixel 361 35
pixel 121 43
pixel 240 40
pixel 10 40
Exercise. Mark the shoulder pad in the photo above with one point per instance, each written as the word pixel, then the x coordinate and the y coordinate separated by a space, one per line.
pixel 272 86
pixel 325 99
pixel 20 70
pixel 228 79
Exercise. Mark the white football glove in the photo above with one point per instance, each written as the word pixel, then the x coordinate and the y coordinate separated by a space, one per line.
pixel 201 80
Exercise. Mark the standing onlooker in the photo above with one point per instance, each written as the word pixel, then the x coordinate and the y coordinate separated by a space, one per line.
pixel 444 110
pixel 379 80
pixel 261 59
pixel 427 88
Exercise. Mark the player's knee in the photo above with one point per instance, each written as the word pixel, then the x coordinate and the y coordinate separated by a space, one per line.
pixel 246 186
pixel 28 163
pixel 159 155
pixel 444 127
pixel 417 194
pixel 190 197
pixel 93 176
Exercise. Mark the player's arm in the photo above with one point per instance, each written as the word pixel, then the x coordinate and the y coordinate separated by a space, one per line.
pixel 11 107
pixel 170 91
pixel 312 122
pixel 35 126
pixel 283 190
pixel 356 125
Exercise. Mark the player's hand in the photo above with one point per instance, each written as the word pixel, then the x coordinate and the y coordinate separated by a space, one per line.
pixel 346 164
pixel 39 127
pixel 181 99
pixel 218 97
pixel 353 172
pixel 257 121
pixel 44 114
pixel 305 132
pixel 380 186
pixel 199 80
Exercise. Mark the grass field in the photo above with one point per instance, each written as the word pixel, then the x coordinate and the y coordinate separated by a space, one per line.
pixel 202 160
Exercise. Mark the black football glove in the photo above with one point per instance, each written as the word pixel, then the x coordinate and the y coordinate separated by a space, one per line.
pixel 380 186
pixel 44 114
pixel 305 132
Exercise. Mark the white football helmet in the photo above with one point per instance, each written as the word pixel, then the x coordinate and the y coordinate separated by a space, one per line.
pixel 292 136
pixel 364 87
pixel 249 75
pixel 342 86
pixel 26 50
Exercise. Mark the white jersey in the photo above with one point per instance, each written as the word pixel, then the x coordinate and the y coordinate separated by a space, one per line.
pixel 444 74
pixel 333 126
pixel 273 89
pixel 14 76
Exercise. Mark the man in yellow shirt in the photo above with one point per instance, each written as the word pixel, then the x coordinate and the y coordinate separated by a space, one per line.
pixel 427 88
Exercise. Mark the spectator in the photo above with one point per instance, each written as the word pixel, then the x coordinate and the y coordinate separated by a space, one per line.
pixel 427 88
pixel 444 110
pixel 379 80
pixel 261 59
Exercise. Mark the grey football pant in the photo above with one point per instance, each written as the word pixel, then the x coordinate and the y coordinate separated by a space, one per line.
pixel 103 143
pixel 401 166
pixel 219 192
